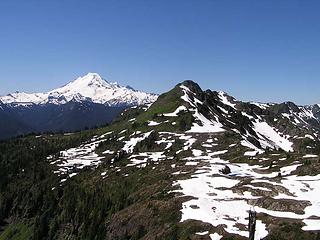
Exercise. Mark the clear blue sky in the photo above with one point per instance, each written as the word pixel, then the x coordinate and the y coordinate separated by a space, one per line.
pixel 255 50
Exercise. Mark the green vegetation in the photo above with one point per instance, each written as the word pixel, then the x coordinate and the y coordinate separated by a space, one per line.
pixel 17 231
pixel 34 205
pixel 166 103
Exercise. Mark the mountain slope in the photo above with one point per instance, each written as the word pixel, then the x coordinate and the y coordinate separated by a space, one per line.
pixel 11 124
pixel 189 166
pixel 68 117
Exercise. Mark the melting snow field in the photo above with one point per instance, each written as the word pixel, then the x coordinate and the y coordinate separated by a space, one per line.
pixel 215 201
pixel 79 157
pixel 267 137
pixel 264 130
pixel 222 200
pixel 129 145
pixel 218 199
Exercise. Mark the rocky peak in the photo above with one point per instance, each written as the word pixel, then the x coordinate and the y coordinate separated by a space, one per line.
pixel 192 86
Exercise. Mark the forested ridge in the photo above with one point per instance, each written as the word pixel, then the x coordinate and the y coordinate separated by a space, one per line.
pixel 31 208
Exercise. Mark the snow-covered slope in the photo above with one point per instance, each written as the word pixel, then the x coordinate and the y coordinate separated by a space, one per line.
pixel 89 87
pixel 224 157
pixel 259 126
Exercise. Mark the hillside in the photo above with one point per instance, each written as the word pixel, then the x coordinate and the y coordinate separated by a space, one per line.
pixel 189 166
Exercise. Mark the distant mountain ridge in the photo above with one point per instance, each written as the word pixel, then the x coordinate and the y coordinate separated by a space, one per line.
pixel 90 101
pixel 86 102
pixel 91 87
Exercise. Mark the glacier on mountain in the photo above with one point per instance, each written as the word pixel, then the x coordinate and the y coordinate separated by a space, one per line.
pixel 91 87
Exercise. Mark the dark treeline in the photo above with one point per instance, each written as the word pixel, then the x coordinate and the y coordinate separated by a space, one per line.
pixel 32 197
pixel 26 191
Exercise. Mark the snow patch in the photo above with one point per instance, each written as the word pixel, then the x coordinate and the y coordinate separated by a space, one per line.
pixel 129 145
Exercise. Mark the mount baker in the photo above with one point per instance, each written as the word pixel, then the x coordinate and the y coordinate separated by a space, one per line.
pixel 86 102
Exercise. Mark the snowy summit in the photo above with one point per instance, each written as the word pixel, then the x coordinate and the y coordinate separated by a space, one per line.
pixel 90 87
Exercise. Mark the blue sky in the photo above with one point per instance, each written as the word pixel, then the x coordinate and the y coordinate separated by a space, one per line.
pixel 255 50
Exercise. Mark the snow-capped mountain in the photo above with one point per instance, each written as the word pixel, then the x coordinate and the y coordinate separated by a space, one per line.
pixel 86 102
pixel 91 87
